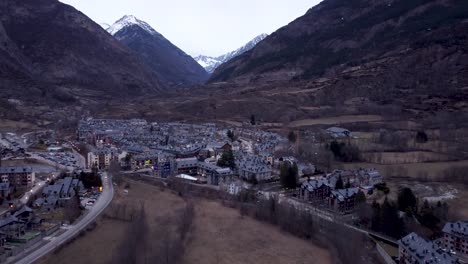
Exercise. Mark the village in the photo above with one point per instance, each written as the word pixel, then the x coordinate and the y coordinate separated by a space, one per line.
pixel 238 159
pixel 42 194
pixel 39 203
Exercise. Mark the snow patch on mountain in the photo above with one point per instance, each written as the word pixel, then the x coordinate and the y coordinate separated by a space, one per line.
pixel 211 63
pixel 129 20
pixel 207 62
pixel 104 25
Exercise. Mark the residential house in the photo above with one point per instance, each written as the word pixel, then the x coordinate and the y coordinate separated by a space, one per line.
pixel 24 214
pixel 346 176
pixel 58 193
pixel 369 177
pixel 161 163
pixel 214 149
pixel 18 176
pixel 456 238
pixel 251 167
pixel 102 158
pixel 213 173
pixel 315 190
pixel 12 227
pixel 50 203
pixel 258 171
pixel 187 166
pixel 343 200
pixel 5 189
pixel 413 249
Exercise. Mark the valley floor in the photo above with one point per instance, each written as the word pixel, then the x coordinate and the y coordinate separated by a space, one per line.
pixel 218 234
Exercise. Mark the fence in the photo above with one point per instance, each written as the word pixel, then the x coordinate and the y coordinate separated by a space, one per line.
pixel 384 254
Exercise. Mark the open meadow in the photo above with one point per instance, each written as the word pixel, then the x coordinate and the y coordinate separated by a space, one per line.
pixel 217 234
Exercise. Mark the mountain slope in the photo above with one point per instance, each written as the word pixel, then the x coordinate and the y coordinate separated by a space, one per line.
pixel 50 50
pixel 385 49
pixel 211 63
pixel 173 66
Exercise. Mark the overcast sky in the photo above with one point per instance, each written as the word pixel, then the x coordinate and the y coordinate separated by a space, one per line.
pixel 208 27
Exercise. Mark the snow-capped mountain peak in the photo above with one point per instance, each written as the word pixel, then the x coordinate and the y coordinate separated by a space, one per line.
pixel 129 20
pixel 211 63
pixel 207 62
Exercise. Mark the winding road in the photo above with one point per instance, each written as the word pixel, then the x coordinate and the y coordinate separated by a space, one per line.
pixel 101 204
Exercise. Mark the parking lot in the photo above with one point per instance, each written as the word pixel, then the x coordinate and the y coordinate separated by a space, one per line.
pixel 67 159
pixel 88 201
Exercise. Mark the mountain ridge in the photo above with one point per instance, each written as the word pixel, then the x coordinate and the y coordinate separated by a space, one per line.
pixel 337 32
pixel 172 65
pixel 211 63
pixel 51 51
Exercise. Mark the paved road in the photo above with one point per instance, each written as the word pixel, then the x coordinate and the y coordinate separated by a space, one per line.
pixel 331 217
pixel 103 201
pixel 35 190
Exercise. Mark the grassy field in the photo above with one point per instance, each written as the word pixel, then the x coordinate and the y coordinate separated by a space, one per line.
pixel 218 234
pixel 412 170
pixel 335 120
pixel 413 157
pixel 100 244
pixel 14 126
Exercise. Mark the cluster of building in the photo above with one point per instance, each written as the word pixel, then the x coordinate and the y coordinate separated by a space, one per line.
pixel 178 148
pixel 57 194
pixel 14 225
pixel 19 177
pixel 324 189
pixel 452 248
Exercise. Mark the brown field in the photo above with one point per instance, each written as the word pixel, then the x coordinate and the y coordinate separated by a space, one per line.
pixel 218 234
pixel 100 244
pixel 412 170
pixel 404 157
pixel 335 120
pixel 14 126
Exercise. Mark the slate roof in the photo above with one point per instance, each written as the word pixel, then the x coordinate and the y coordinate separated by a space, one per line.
pixel 342 194
pixel 425 251
pixel 15 169
pixel 457 229
pixel 315 184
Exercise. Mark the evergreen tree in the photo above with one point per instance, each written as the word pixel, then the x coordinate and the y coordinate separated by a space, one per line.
pixel 230 135
pixel 362 209
pixel 227 160
pixel 407 200
pixel 392 225
pixel 421 137
pixel 441 211
pixel 252 120
pixel 348 184
pixel 360 198
pixel 427 216
pixel 292 137
pixel 289 175
pixel 376 221
pixel 339 183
